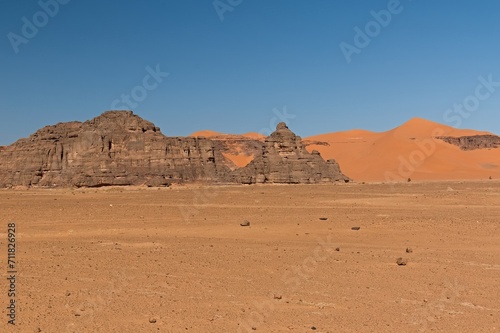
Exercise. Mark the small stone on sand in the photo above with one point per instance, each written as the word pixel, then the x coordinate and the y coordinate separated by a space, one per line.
pixel 401 262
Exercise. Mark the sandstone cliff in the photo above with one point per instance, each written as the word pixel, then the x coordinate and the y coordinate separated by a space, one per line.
pixel 116 148
pixel 120 148
pixel 473 142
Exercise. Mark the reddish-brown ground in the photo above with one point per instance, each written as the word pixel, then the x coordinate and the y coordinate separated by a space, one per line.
pixel 177 259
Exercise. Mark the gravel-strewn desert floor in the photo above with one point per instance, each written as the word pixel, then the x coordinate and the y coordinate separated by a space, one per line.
pixel 177 260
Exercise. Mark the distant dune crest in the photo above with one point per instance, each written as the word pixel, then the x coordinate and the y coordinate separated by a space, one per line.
pixel 413 150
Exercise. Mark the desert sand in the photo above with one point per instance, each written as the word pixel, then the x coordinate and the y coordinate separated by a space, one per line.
pixel 207 133
pixel 407 151
pixel 240 159
pixel 177 259
pixel 213 134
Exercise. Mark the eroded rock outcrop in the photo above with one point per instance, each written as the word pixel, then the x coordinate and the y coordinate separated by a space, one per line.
pixel 116 148
pixel 473 142
pixel 284 159
pixel 120 148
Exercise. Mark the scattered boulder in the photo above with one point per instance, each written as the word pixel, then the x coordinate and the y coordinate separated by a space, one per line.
pixel 409 250
pixel 355 228
pixel 401 261
pixel 245 223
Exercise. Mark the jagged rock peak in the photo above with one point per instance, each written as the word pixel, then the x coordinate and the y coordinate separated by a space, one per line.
pixel 284 159
pixel 281 126
pixel 282 134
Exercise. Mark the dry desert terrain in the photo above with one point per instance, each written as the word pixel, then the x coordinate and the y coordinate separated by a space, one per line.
pixel 177 259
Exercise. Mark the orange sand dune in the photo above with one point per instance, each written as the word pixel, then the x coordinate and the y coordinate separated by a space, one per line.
pixel 240 160
pixel 407 151
pixel 206 133
pixel 218 135
pixel 254 135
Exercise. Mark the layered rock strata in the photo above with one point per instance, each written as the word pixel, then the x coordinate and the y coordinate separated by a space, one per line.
pixel 120 148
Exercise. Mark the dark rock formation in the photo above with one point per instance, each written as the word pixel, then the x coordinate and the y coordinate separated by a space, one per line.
pixel 284 159
pixel 473 142
pixel 116 148
pixel 120 148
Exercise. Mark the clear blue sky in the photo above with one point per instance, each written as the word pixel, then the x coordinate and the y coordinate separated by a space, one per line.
pixel 229 75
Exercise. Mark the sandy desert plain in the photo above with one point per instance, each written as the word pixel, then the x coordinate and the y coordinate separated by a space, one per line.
pixel 177 259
